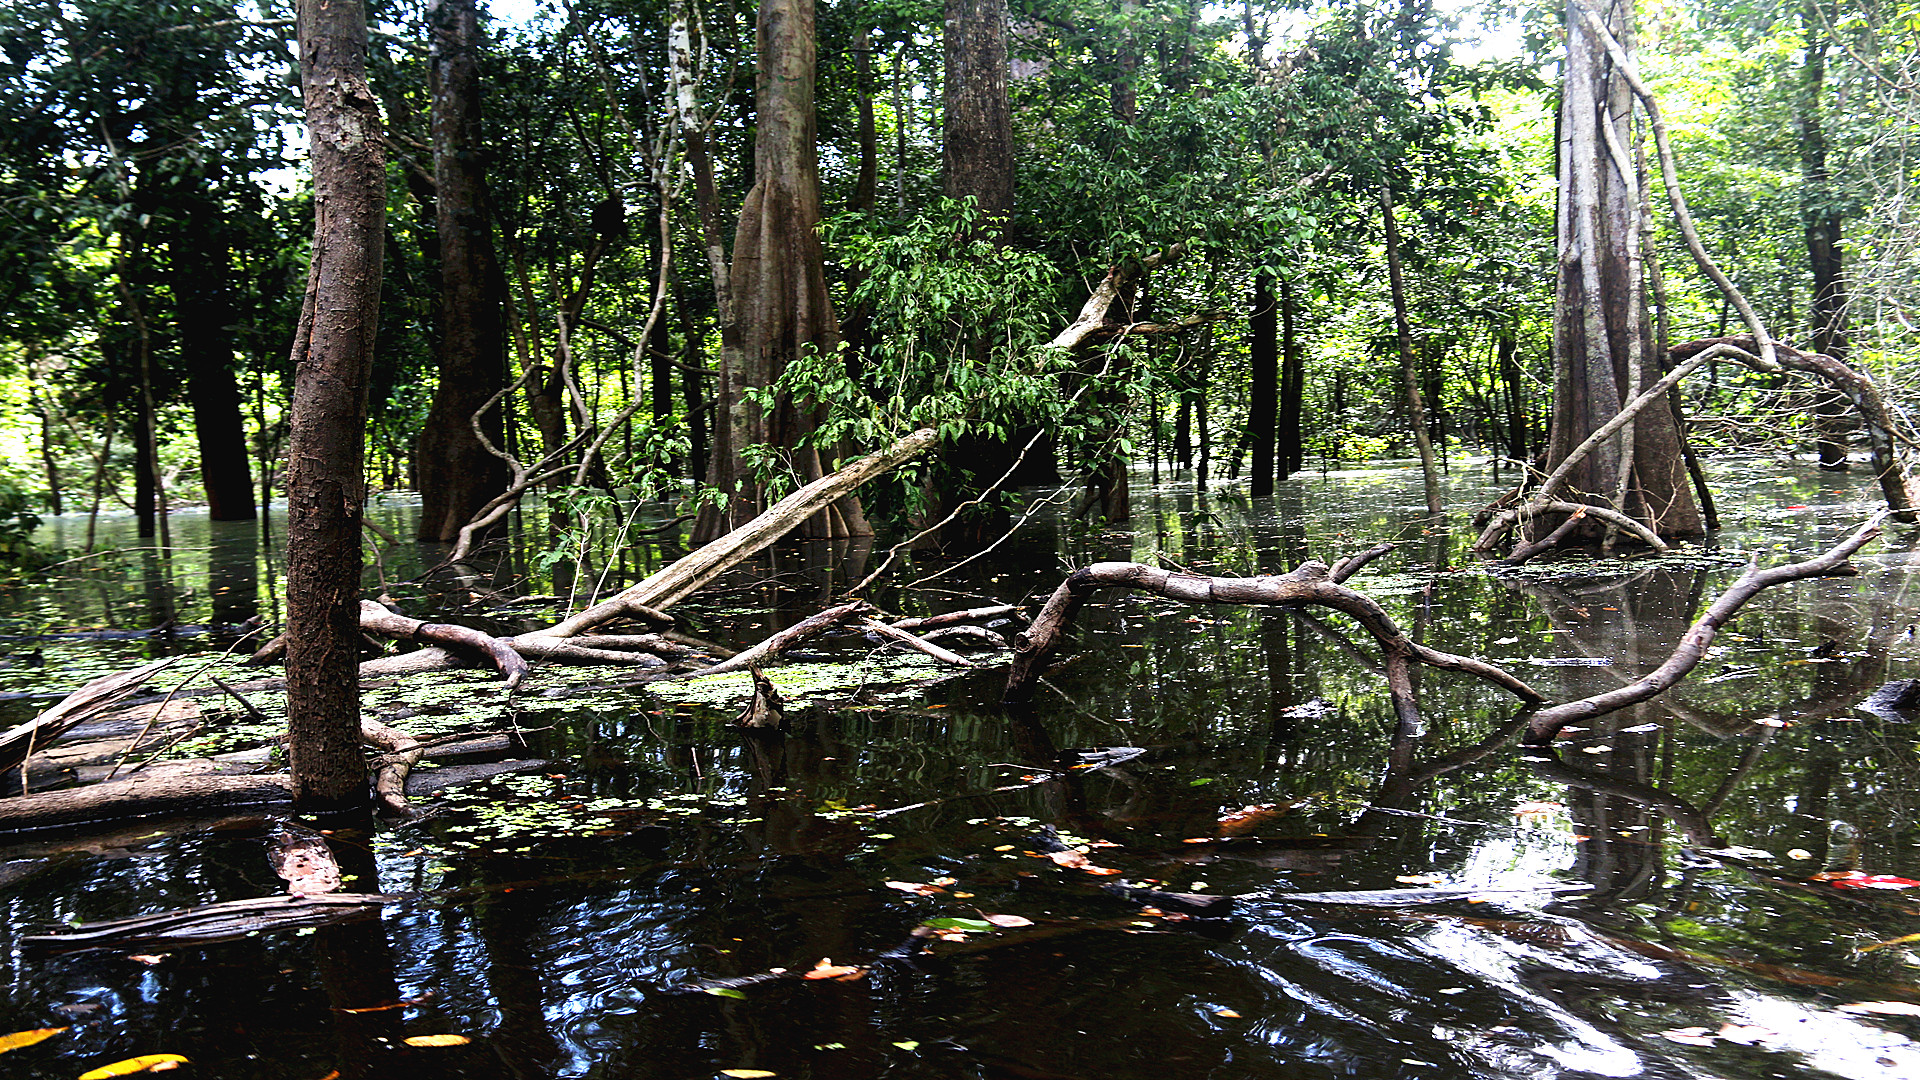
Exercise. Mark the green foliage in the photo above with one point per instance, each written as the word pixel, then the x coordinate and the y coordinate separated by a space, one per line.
pixel 17 522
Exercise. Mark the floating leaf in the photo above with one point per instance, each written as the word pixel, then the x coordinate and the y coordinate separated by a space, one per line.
pixel 1008 921
pixel 1745 1034
pixel 1072 860
pixel 437 1040
pixel 143 1063
pixel 1228 1013
pixel 726 991
pixel 149 959
pixel 827 969
pixel 748 1074
pixel 975 926
pixel 908 1044
pixel 1248 818
pixel 1884 1008
pixel 27 1038
pixel 915 888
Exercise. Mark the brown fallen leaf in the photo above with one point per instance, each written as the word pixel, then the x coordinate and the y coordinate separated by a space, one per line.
pixel 149 959
pixel 1104 871
pixel 1228 1013
pixel 1009 921
pixel 827 969
pixel 915 888
pixel 1072 860
pixel 27 1038
pixel 1248 818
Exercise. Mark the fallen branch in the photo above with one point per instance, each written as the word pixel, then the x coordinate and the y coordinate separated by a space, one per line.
pixel 1311 584
pixel 17 743
pixel 805 630
pixel 894 633
pixel 1693 644
pixel 510 663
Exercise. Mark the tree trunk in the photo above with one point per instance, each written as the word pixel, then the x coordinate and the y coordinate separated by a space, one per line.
pixel 1290 453
pixel 456 474
pixel 1409 374
pixel 780 301
pixel 332 354
pixel 867 182
pixel 977 128
pixel 203 299
pixel 1516 402
pixel 1600 327
pixel 1824 257
pixel 1263 394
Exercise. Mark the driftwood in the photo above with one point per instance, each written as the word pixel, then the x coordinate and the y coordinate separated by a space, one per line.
pixel 1311 584
pixel 1547 723
pixel 18 743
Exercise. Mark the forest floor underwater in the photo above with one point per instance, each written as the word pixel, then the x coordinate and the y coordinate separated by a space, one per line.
pixel 913 881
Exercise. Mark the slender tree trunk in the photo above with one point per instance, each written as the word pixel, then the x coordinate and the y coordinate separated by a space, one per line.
pixel 1822 218
pixel 866 182
pixel 48 459
pixel 203 297
pixel 1409 373
pixel 332 355
pixel 1263 393
pixel 1290 452
pixel 780 301
pixel 456 474
pixel 1508 347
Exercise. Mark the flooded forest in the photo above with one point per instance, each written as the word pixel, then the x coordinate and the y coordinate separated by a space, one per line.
pixel 991 539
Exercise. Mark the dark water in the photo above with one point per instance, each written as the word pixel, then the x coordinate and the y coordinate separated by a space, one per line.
pixel 557 919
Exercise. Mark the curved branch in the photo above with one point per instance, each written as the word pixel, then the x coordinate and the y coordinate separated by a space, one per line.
pixel 1693 644
pixel 1311 584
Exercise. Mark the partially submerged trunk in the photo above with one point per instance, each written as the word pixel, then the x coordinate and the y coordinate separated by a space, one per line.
pixel 779 287
pixel 332 354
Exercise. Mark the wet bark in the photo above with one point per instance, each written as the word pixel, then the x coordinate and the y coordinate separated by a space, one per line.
pixel 455 473
pixel 332 354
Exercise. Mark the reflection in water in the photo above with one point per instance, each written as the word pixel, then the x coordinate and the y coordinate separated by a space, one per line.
pixel 676 850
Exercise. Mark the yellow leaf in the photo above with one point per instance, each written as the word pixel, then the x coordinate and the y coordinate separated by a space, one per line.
pixel 748 1074
pixel 27 1038
pixel 437 1040
pixel 143 1063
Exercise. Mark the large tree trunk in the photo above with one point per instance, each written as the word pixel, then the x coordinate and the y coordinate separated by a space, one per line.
pixel 203 298
pixel 456 474
pixel 780 301
pixel 977 132
pixel 1602 349
pixel 332 354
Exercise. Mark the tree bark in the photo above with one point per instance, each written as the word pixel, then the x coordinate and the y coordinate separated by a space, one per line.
pixel 455 473
pixel 1290 452
pixel 977 132
pixel 332 354
pixel 1601 330
pixel 780 301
